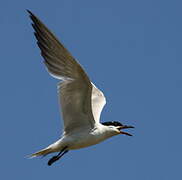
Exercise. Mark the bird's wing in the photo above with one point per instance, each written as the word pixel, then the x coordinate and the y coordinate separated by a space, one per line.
pixel 75 90
pixel 98 102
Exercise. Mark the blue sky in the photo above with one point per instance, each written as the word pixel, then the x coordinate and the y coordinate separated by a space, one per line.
pixel 132 51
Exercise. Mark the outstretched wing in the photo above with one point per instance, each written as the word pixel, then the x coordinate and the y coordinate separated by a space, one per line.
pixel 75 90
pixel 98 102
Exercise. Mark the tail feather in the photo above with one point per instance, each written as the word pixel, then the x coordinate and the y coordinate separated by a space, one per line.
pixel 42 152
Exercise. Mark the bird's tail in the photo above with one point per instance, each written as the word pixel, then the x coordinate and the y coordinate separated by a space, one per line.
pixel 42 152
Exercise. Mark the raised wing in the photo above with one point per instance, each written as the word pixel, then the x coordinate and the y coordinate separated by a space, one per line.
pixel 75 89
pixel 98 102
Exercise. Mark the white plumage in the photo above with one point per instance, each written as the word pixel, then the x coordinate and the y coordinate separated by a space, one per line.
pixel 81 101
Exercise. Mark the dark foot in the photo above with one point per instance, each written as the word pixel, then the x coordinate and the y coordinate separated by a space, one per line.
pixel 52 160
pixel 55 158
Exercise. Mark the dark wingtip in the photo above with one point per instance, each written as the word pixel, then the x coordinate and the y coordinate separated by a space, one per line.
pixel 29 11
pixel 32 16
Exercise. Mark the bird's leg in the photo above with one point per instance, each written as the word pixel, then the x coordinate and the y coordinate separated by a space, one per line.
pixel 60 154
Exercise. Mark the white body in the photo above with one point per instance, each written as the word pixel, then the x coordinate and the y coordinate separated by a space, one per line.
pixel 83 138
pixel 81 101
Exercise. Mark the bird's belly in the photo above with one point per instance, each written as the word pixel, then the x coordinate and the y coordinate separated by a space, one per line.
pixel 84 140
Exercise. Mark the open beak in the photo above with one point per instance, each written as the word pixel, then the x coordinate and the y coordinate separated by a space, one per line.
pixel 125 127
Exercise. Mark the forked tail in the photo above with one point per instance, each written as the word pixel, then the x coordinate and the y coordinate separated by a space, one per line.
pixel 42 152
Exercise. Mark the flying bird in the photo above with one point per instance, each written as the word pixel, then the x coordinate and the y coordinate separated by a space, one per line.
pixel 81 101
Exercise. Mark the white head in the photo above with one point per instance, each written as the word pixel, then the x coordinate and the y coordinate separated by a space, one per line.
pixel 116 127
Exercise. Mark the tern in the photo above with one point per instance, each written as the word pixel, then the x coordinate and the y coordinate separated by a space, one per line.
pixel 81 101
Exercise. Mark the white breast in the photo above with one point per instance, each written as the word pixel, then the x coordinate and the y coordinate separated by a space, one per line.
pixel 86 138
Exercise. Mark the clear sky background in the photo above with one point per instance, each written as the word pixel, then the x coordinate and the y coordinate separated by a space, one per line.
pixel 132 51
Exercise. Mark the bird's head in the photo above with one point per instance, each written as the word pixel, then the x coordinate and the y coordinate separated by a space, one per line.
pixel 117 127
